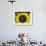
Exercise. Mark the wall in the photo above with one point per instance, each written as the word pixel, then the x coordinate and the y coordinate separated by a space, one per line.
pixel 7 29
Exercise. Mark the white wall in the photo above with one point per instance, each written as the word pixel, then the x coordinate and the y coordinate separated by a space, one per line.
pixel 7 29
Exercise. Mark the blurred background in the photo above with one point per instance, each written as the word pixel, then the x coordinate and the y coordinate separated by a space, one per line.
pixel 8 31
